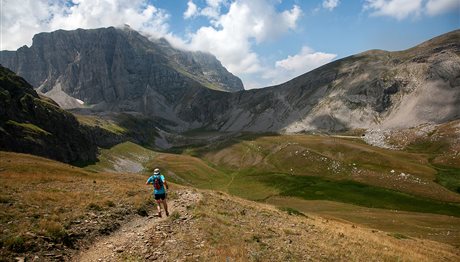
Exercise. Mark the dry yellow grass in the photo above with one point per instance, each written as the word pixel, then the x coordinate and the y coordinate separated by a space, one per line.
pixel 225 228
pixel 47 200
pixel 441 228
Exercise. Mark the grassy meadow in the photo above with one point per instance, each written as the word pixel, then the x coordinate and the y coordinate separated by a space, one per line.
pixel 336 177
pixel 344 171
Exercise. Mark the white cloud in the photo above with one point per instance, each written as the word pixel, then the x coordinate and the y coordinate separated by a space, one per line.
pixel 213 8
pixel 49 15
pixel 436 7
pixel 192 10
pixel 231 36
pixel 306 60
pixel 398 9
pixel 401 9
pixel 330 4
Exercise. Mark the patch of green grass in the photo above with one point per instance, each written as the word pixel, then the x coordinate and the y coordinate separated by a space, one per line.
pixel 29 127
pixel 16 243
pixel 448 177
pixel 429 147
pixel 297 166
pixel 108 125
pixel 346 191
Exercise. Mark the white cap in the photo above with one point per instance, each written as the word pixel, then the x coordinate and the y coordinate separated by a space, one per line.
pixel 156 171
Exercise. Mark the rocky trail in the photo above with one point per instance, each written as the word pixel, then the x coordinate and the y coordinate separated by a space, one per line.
pixel 143 237
pixel 213 226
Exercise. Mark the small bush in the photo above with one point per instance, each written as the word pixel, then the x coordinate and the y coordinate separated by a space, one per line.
pixel 54 230
pixel 5 200
pixel 108 228
pixel 16 244
pixel 131 193
pixel 142 210
pixel 399 236
pixel 94 207
pixel 175 215
pixel 109 203
pixel 292 211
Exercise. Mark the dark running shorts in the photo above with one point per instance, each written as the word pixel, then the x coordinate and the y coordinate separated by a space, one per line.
pixel 160 196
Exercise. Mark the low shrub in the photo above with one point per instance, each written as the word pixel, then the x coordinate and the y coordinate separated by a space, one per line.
pixel 16 244
pixel 94 207
pixel 292 211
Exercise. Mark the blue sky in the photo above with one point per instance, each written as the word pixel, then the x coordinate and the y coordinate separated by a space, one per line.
pixel 264 42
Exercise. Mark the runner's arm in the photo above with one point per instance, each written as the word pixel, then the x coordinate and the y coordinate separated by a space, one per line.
pixel 149 181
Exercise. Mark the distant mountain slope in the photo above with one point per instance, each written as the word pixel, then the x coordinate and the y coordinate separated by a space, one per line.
pixel 374 89
pixel 113 68
pixel 38 126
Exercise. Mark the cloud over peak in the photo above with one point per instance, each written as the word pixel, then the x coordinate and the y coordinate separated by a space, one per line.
pixel 48 15
pixel 231 35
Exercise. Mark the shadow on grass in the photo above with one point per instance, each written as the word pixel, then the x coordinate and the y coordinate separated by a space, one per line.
pixel 448 177
pixel 346 191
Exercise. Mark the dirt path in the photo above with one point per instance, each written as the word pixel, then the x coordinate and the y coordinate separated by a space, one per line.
pixel 131 240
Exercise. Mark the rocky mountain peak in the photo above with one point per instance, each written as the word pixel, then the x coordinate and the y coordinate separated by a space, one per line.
pixel 107 65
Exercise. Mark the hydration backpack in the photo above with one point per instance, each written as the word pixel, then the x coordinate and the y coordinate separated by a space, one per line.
pixel 157 182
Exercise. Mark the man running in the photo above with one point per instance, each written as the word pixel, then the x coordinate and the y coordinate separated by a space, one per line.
pixel 159 183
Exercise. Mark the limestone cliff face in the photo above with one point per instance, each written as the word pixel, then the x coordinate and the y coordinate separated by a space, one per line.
pixel 113 68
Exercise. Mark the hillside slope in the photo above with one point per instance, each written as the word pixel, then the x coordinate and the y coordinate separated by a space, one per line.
pixel 31 124
pixel 214 226
pixel 49 208
pixel 203 225
pixel 374 89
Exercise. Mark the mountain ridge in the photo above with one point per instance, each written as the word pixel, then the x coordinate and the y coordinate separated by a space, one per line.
pixel 108 65
pixel 375 89
pixel 31 124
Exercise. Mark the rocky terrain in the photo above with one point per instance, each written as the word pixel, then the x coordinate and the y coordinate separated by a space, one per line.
pixel 207 226
pixel 112 68
pixel 373 90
